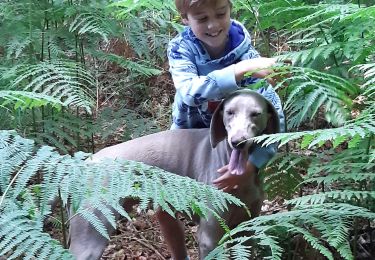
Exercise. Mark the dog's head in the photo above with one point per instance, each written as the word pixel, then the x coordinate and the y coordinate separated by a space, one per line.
pixel 243 115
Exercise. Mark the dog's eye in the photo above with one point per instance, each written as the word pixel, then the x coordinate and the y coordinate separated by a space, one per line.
pixel 230 112
pixel 255 114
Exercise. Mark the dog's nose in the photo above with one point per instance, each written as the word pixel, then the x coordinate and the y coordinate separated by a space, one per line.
pixel 238 143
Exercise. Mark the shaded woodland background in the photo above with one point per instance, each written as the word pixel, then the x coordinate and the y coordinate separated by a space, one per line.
pixel 78 75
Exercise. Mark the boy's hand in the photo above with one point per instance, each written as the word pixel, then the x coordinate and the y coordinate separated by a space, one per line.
pixel 229 181
pixel 260 66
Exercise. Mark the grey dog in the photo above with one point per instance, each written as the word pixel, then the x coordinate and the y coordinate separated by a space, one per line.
pixel 196 153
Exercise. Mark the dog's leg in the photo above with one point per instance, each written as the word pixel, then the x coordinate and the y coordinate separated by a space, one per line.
pixel 209 234
pixel 173 233
pixel 85 242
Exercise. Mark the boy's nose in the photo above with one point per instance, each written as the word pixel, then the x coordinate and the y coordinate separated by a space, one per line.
pixel 213 24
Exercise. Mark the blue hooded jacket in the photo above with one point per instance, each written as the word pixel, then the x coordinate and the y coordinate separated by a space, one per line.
pixel 201 81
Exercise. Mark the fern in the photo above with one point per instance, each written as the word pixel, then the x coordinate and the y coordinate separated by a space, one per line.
pixel 148 27
pixel 90 23
pixel 330 220
pixel 324 13
pixel 90 187
pixel 363 126
pixel 64 81
pixel 130 123
pixel 313 90
pixel 22 236
pixel 146 183
pixel 369 74
pixel 141 68
pixel 41 63
pixel 327 33
pixel 346 195
pixel 27 100
pixel 16 46
pixel 282 176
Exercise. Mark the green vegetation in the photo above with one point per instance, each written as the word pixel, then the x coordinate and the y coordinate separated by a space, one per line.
pixel 66 71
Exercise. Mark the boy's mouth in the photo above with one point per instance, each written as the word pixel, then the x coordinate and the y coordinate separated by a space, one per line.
pixel 215 34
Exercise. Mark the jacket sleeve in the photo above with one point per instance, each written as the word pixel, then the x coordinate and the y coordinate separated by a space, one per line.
pixel 194 88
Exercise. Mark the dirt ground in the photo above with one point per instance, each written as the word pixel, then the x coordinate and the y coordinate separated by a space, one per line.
pixel 141 239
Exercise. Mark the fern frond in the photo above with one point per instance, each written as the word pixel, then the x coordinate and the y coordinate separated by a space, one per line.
pixel 127 8
pixel 27 100
pixel 90 23
pixel 328 34
pixel 331 220
pixel 90 187
pixel 14 150
pixel 316 15
pixel 355 159
pixel 146 183
pixel 33 165
pixel 66 131
pixel 65 81
pixel 21 236
pixel 143 68
pixel 308 90
pixel 282 175
pixel 360 127
pixel 16 46
pixel 345 195
pixel 325 13
pixel 354 177
pixel 368 71
pixel 316 52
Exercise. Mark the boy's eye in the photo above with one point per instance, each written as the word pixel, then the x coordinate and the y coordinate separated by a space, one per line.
pixel 221 15
pixel 203 19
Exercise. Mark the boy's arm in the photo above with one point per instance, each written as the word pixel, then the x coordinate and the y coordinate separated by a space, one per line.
pixel 194 88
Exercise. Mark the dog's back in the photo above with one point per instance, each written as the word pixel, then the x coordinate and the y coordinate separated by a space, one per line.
pixel 185 152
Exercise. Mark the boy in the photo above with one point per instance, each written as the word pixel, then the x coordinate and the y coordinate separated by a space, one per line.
pixel 208 61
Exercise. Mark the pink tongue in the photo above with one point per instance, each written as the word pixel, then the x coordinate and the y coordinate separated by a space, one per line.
pixel 237 162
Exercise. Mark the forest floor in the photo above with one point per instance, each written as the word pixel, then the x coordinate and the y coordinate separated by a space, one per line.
pixel 141 238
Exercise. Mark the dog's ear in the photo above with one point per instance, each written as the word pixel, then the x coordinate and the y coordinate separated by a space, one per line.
pixel 217 128
pixel 273 124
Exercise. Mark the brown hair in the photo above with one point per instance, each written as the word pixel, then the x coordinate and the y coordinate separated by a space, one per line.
pixel 184 5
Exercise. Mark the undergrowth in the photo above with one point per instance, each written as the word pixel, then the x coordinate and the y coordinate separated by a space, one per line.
pixel 55 54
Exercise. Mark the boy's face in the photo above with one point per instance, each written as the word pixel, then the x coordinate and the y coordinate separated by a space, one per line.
pixel 210 23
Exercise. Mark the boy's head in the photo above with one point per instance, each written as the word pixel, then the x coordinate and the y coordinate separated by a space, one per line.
pixel 184 5
pixel 209 20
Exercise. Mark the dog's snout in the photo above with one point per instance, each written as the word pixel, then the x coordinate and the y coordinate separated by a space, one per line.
pixel 238 143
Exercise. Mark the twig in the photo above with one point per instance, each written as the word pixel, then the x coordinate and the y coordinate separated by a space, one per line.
pixel 10 185
pixel 142 242
pixel 63 226
pixel 148 246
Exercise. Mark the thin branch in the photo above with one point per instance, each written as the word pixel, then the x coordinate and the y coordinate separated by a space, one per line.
pixel 10 185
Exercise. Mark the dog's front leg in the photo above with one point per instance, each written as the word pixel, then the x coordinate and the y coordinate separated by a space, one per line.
pixel 174 234
pixel 86 243
pixel 209 234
